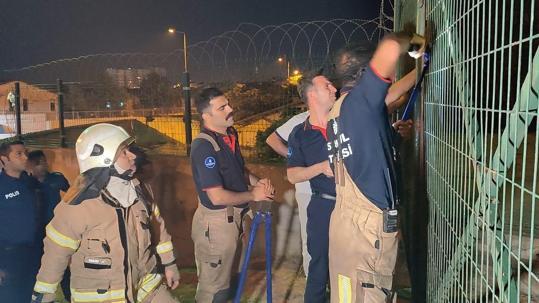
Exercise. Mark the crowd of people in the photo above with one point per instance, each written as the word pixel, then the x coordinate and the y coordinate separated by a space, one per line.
pixel 105 240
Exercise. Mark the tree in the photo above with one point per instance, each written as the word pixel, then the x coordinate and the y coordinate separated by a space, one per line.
pixel 254 98
pixel 102 94
pixel 157 91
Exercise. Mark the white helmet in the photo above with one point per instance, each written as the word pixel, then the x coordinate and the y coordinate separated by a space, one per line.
pixel 99 144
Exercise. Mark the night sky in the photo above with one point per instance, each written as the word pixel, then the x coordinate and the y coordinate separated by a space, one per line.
pixel 37 31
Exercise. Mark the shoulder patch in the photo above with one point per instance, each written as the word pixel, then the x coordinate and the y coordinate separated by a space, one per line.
pixel 289 153
pixel 210 162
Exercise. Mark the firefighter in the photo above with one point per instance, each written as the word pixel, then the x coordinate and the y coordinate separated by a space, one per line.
pixel 224 188
pixel 363 227
pixel 308 161
pixel 102 230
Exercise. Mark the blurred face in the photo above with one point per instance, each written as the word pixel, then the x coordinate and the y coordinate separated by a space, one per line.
pixel 16 159
pixel 323 92
pixel 39 168
pixel 219 114
pixel 126 160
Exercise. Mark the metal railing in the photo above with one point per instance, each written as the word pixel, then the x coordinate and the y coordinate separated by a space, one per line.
pixel 42 123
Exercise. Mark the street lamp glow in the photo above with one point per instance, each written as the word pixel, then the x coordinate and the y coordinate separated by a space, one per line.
pixel 296 72
pixel 186 91
pixel 280 59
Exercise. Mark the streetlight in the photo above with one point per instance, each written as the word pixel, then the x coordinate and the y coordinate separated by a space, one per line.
pixel 281 60
pixel 186 92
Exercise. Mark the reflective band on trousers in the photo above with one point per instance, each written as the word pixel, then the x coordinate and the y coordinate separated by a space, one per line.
pixel 164 247
pixel 60 239
pixel 94 296
pixel 345 289
pixel 42 287
pixel 148 284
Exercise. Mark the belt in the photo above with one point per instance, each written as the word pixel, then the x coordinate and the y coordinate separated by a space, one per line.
pixel 323 195
pixel 230 213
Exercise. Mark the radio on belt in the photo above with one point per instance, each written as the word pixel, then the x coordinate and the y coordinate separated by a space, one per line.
pixel 390 220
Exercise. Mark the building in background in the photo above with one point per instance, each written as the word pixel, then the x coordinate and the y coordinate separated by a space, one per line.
pixel 38 108
pixel 132 77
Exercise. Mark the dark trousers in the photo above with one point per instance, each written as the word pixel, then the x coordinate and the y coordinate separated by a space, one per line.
pixel 19 265
pixel 318 214
pixel 65 285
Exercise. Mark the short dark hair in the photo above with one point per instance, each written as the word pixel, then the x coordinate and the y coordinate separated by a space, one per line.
pixel 351 60
pixel 5 147
pixel 305 83
pixel 36 155
pixel 205 96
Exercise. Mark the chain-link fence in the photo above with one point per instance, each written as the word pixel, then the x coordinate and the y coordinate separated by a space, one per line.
pixel 480 152
pixel 51 115
pixel 256 66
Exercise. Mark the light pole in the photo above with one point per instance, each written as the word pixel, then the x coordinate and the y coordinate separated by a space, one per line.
pixel 281 60
pixel 186 84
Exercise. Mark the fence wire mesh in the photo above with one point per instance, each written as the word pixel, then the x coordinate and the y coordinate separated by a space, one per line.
pixel 256 66
pixel 480 126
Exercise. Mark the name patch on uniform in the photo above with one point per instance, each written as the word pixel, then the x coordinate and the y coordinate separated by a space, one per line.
pixel 339 147
pixel 12 195
pixel 209 162
pixel 97 263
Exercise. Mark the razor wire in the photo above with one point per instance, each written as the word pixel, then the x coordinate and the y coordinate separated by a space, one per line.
pixel 249 52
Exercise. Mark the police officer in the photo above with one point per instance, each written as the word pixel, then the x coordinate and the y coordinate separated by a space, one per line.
pixel 224 188
pixel 308 161
pixel 102 229
pixel 19 254
pixel 363 228
pixel 50 184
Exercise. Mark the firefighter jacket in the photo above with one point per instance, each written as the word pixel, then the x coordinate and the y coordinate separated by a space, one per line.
pixel 107 247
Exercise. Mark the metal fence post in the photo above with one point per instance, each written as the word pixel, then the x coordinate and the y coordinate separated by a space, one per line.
pixel 18 110
pixel 59 91
pixel 187 111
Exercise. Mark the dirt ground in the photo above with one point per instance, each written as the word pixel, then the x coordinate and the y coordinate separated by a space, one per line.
pixel 288 283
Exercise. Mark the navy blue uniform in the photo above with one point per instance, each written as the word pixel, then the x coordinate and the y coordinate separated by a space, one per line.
pixel 216 228
pixel 307 145
pixel 225 168
pixel 19 255
pixel 364 131
pixel 51 187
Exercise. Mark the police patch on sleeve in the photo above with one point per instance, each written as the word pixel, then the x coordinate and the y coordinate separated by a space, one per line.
pixel 289 153
pixel 209 162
